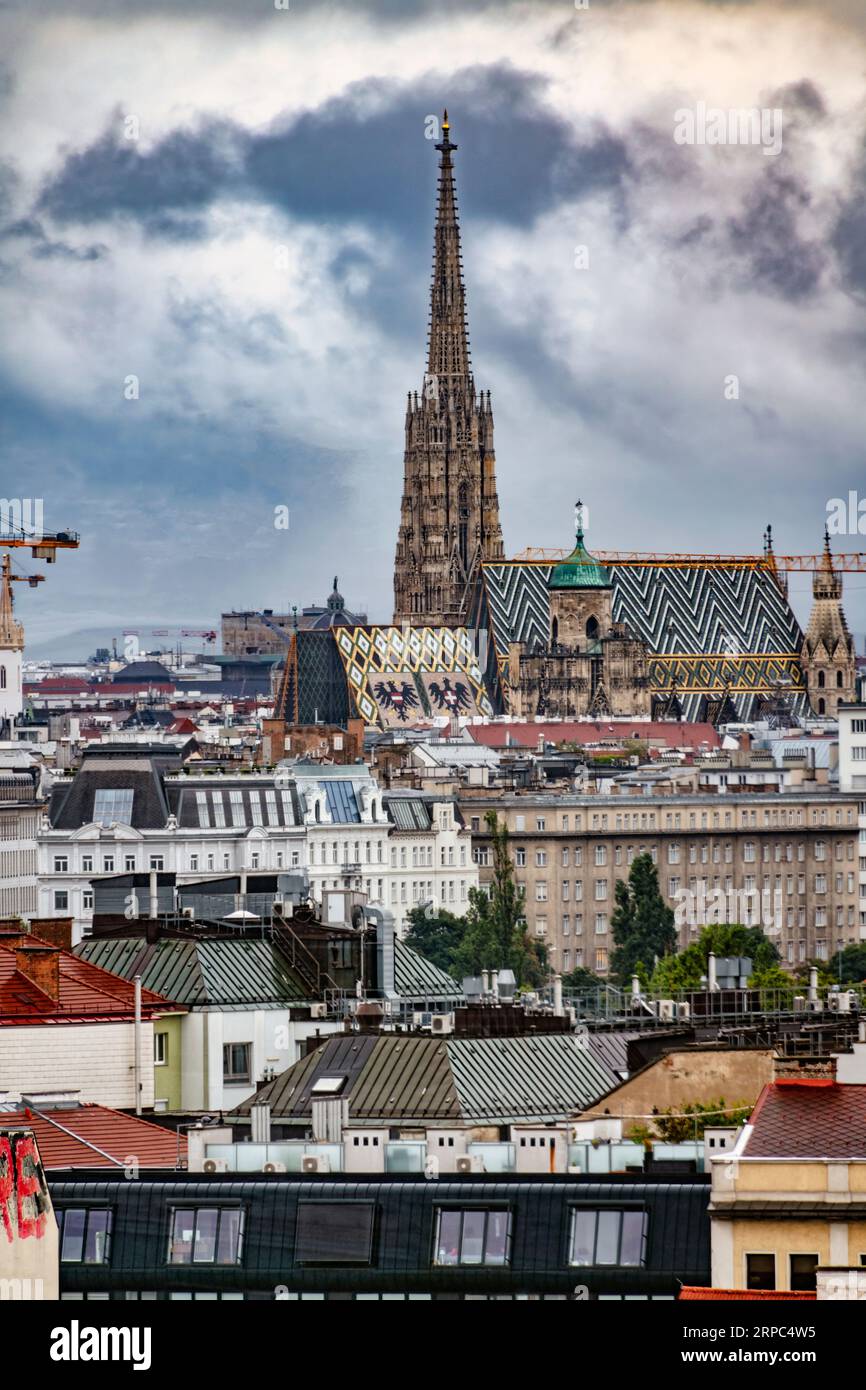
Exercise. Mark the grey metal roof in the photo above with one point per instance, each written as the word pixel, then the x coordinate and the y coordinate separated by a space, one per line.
pixel 416 978
pixel 404 1079
pixel 408 812
pixel 215 972
pixel 611 1050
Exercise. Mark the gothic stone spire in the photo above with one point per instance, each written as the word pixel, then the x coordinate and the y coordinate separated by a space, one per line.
pixel 449 519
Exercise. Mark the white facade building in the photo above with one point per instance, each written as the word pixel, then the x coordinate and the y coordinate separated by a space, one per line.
pixel 132 810
pixel 20 809
pixel 852 778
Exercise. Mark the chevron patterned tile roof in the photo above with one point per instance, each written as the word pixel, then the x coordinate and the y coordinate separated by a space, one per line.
pixel 391 670
pixel 711 627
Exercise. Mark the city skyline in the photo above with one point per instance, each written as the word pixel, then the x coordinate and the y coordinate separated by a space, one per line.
pixel 259 262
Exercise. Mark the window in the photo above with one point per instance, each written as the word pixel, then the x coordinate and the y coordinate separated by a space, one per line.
pixel 160 1049
pixel 61 901
pixel 108 864
pixel 760 1271
pixel 157 862
pixel 206 1236
pixel 193 862
pixel 606 1236
pixel 520 857
pixel 236 1062
pixel 803 1269
pixel 334 1233
pixel 541 858
pixel 87 900
pixel 129 863
pixel 85 1235
pixel 540 823
pixel 473 1236
pixel 61 864
pixel 87 863
pixel 112 804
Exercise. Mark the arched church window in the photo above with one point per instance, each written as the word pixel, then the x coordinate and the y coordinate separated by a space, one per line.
pixel 554 631
pixel 592 628
pixel 821 706
pixel 2 677
pixel 839 680
pixel 820 680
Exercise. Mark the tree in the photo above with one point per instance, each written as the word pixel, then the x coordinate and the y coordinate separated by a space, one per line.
pixel 642 922
pixel 688 969
pixel 848 967
pixel 679 1124
pixel 581 978
pixel 495 936
pixel 436 935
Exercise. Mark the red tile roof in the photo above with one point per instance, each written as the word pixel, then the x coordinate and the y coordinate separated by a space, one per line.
pixel 96 1127
pixel 808 1119
pixel 526 734
pixel 87 992
pixel 695 1294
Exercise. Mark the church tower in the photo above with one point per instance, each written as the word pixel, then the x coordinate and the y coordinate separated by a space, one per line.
pixel 449 520
pixel 827 656
pixel 11 649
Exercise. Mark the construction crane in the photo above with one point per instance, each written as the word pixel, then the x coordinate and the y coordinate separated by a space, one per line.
pixel 850 561
pixel 7 576
pixel 42 547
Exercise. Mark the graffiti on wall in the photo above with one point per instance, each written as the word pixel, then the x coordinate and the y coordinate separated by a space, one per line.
pixel 24 1202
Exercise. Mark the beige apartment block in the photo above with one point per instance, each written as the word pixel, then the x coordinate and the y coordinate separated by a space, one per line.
pixel 784 861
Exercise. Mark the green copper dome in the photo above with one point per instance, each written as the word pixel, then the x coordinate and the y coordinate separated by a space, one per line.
pixel 581 570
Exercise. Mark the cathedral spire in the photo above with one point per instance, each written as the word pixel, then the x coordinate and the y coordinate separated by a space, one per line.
pixel 11 632
pixel 448 345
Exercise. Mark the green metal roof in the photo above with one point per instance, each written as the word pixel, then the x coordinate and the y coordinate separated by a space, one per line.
pixel 208 973
pixel 415 977
pixel 581 570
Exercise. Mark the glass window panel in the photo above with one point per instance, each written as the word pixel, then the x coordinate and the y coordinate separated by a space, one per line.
pixel 112 804
pixel 631 1249
pixel 98 1234
pixel 203 813
pixel 498 1230
pixel 74 1221
pixel 271 804
pixel 180 1247
pixel 204 1250
pixel 472 1245
pixel 607 1238
pixel 219 815
pixel 583 1238
pixel 448 1244
pixel 230 1234
pixel 256 807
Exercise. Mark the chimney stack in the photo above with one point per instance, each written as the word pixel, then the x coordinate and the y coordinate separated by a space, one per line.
pixel 40 965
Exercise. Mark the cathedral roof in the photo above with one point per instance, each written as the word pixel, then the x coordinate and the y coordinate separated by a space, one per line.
pixel 580 570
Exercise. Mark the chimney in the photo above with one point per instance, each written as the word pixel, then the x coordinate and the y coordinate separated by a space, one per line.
pixel 40 965
pixel 712 981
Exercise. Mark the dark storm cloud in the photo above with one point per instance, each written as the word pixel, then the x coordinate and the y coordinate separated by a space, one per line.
pixel 764 237
pixel 848 236
pixel 355 157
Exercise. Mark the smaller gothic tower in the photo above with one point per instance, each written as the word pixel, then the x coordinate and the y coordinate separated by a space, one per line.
pixel 11 649
pixel 827 655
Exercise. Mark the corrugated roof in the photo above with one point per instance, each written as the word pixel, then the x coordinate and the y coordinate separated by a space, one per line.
pixel 415 977
pixel 215 972
pixel 401 1078
pixel 408 812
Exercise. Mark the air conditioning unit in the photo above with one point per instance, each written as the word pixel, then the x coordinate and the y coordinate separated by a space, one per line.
pixel 442 1023
pixel 470 1163
pixel 666 1009
pixel 684 1011
pixel 839 1001
pixel 277 909
pixel 318 1010
pixel 215 1165
pixel 315 1163
pixel 799 1003
pixel 274 1168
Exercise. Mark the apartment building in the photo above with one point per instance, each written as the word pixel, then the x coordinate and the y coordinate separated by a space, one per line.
pixel 133 808
pixel 852 779
pixel 786 862
pixel 21 805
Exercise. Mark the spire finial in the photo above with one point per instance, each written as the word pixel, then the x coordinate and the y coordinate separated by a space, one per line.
pixel 578 521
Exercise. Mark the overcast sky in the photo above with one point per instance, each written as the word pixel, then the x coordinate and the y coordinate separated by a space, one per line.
pixel 234 204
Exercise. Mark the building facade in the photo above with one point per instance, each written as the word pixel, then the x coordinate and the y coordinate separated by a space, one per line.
pixel 828 656
pixel 132 810
pixel 588 664
pixel 449 519
pixel 21 805
pixel 852 779
pixel 795 856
